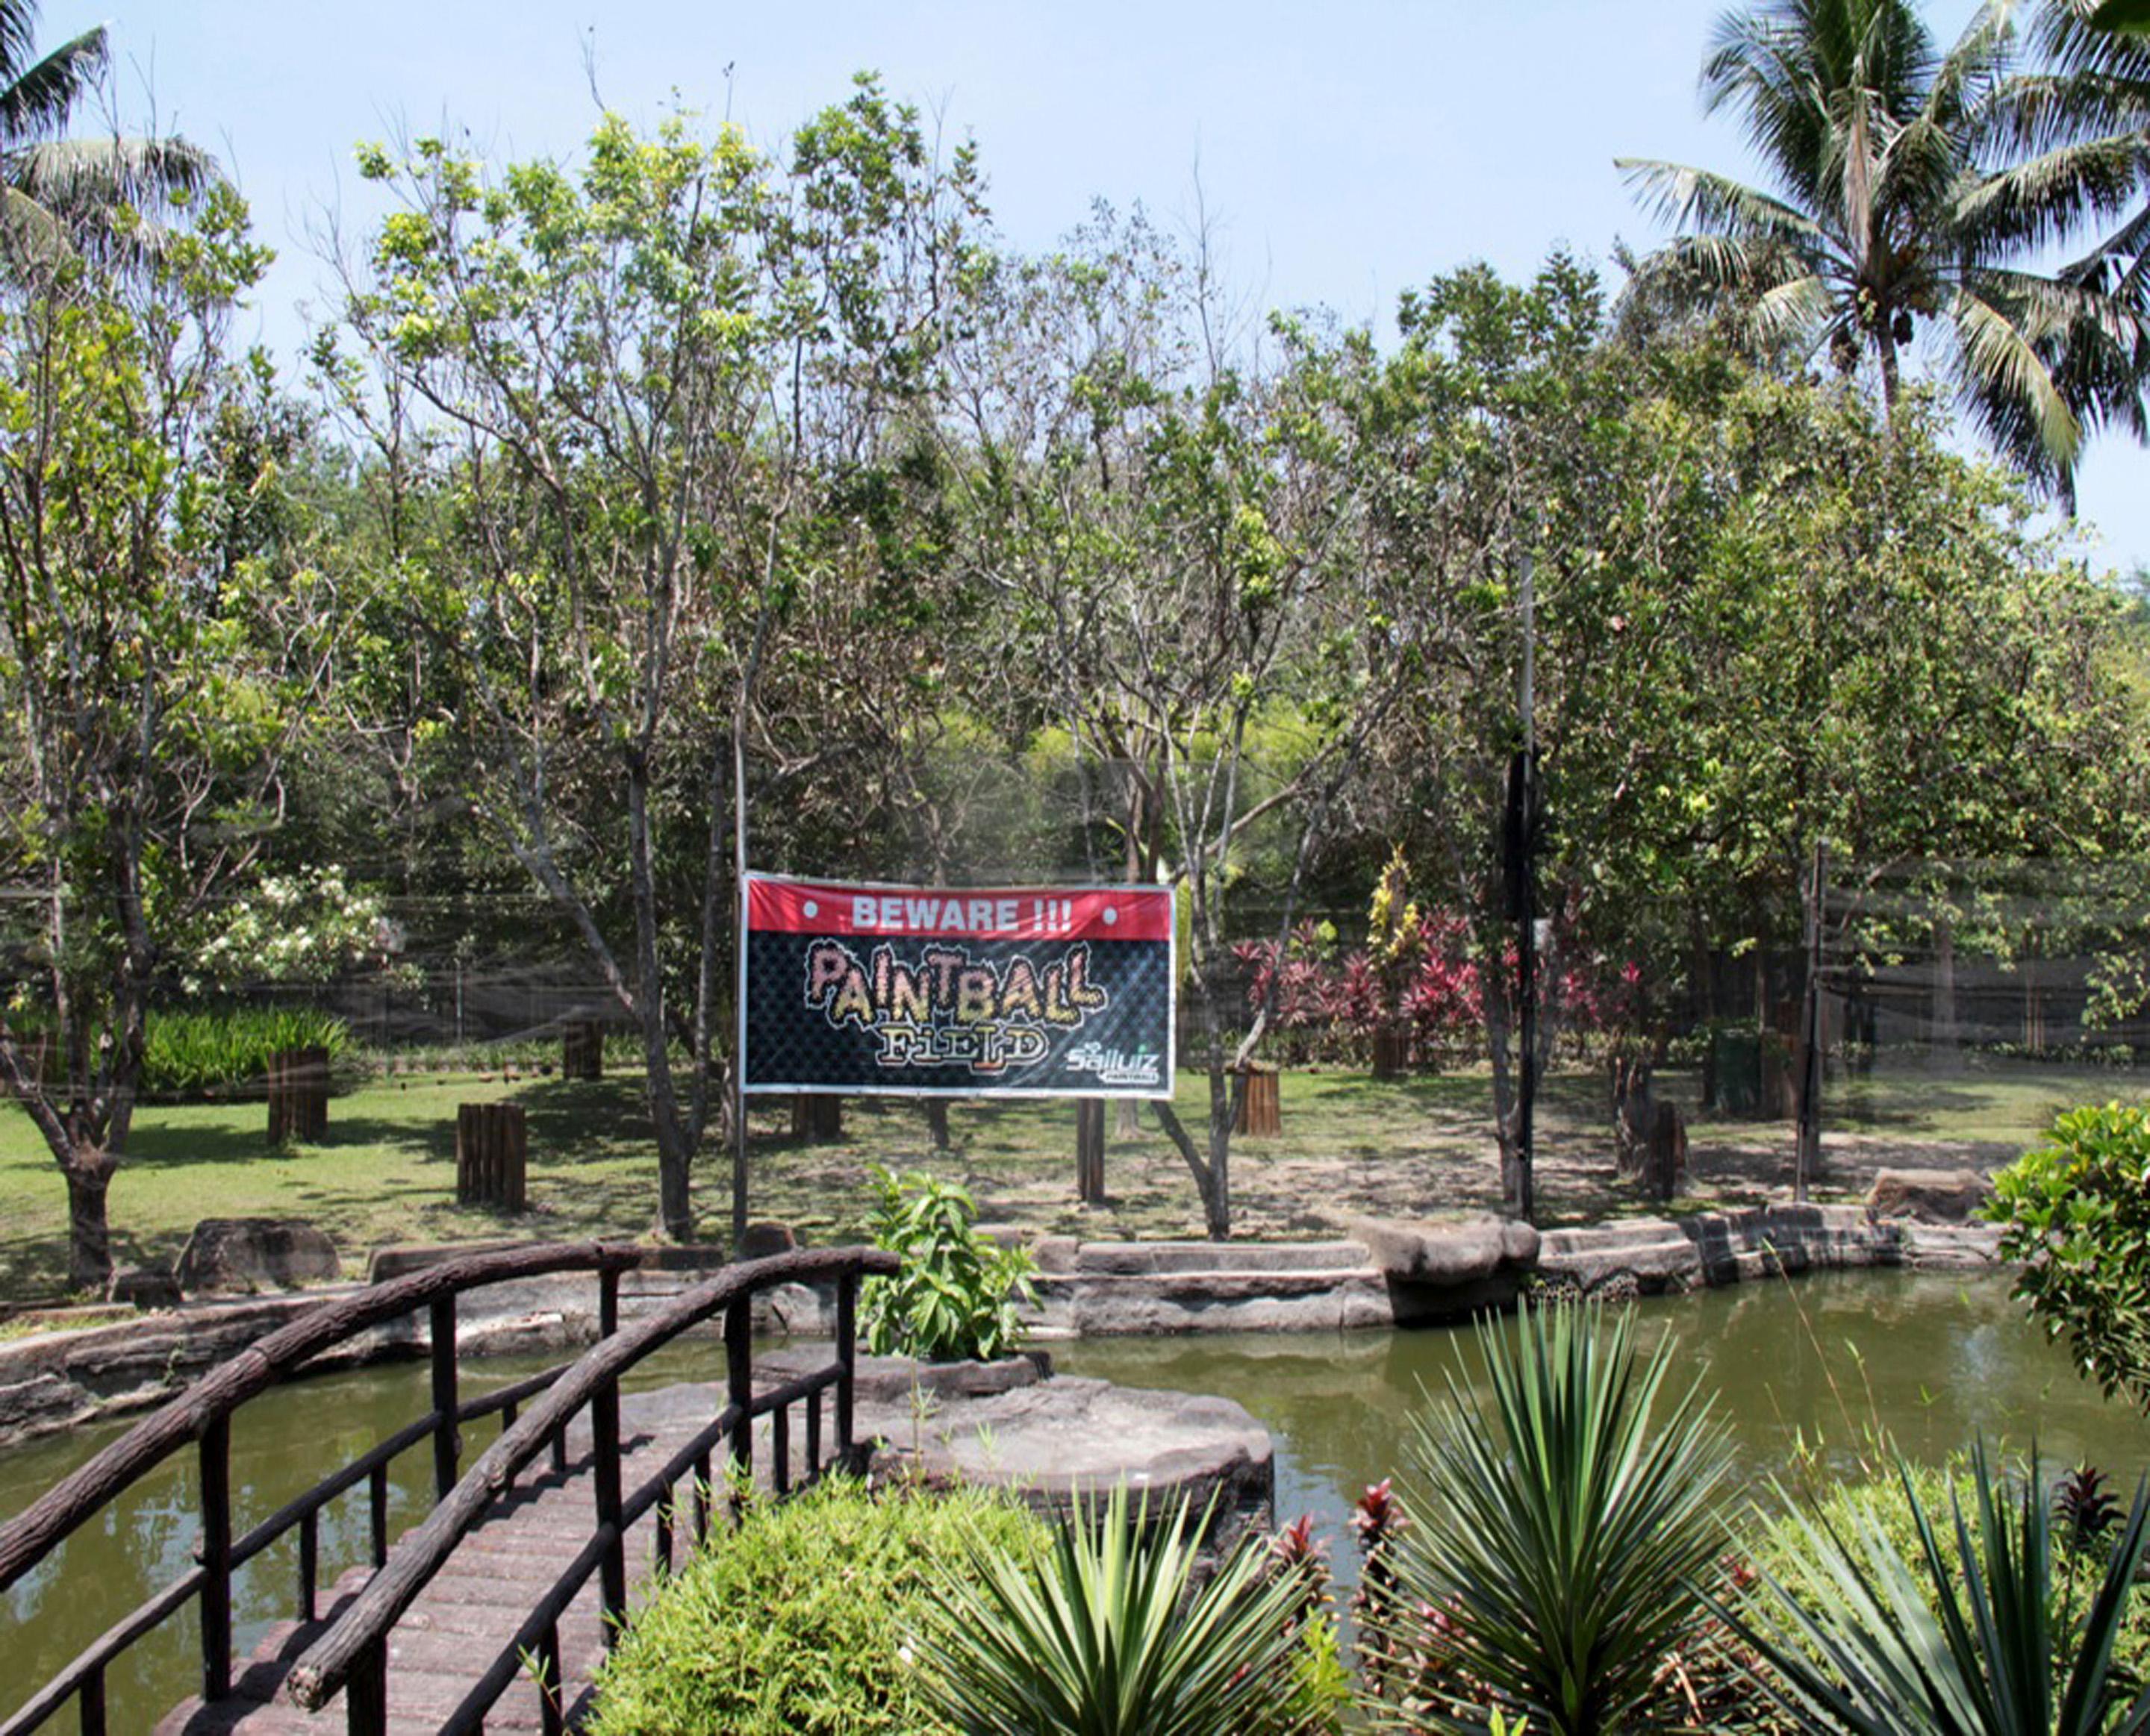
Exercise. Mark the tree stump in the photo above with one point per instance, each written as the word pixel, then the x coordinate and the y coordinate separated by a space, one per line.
pixel 817 1117
pixel 1090 1150
pixel 581 1050
pixel 1391 1052
pixel 1261 1115
pixel 1649 1137
pixel 493 1154
pixel 298 1095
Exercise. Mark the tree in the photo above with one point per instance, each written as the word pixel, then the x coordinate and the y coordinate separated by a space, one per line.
pixel 150 690
pixel 1894 203
pixel 107 194
pixel 1167 512
pixel 641 387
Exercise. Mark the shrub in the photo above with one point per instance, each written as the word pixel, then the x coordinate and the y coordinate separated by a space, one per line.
pixel 1557 1535
pixel 212 1053
pixel 1104 1635
pixel 955 1296
pixel 1974 1624
pixel 802 1622
pixel 2076 1211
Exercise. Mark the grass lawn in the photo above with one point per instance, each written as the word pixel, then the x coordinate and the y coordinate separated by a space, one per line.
pixel 1412 1147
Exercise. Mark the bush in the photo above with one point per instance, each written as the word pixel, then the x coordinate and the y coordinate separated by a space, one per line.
pixel 2075 1212
pixel 1953 1605
pixel 1557 1535
pixel 1107 1634
pixel 210 1054
pixel 803 1620
pixel 955 1296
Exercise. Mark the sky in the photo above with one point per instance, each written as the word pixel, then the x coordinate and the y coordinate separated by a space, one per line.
pixel 1343 154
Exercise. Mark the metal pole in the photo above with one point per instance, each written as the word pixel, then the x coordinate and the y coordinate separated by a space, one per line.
pixel 1809 1158
pixel 738 989
pixel 1525 1202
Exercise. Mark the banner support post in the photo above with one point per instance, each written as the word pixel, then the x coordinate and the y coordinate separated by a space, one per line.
pixel 738 983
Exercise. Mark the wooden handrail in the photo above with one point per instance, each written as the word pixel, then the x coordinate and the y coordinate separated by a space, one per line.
pixel 32 1534
pixel 202 1414
pixel 350 1654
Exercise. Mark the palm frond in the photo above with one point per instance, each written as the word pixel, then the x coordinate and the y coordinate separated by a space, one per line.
pixel 1686 198
pixel 36 102
pixel 76 177
pixel 1997 360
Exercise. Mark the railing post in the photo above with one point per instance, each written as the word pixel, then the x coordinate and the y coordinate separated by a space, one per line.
pixel 447 1444
pixel 608 1303
pixel 376 1505
pixel 604 1472
pixel 216 1559
pixel 92 1704
pixel 310 1565
pixel 365 1692
pixel 847 1357
pixel 739 1392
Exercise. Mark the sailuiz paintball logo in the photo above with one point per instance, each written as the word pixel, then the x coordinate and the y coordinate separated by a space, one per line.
pixel 949 1008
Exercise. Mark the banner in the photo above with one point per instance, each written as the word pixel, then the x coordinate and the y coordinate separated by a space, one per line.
pixel 1004 992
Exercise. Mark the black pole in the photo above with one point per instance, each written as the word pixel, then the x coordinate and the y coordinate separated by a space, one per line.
pixel 1809 1158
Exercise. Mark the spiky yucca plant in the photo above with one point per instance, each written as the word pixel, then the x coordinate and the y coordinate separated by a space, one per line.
pixel 1101 1638
pixel 1888 1646
pixel 1558 1533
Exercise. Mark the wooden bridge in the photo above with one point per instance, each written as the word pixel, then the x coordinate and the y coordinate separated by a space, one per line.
pixel 494 1610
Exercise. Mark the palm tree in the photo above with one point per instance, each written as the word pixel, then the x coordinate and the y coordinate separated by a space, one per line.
pixel 58 192
pixel 1899 199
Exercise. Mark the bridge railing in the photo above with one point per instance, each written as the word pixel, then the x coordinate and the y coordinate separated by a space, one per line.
pixel 201 1415
pixel 351 1658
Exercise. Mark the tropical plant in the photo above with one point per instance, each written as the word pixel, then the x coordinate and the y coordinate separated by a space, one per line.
pixel 1558 1533
pixel 56 191
pixel 1105 1636
pixel 800 1622
pixel 2074 1212
pixel 1961 1639
pixel 955 1295
pixel 1899 199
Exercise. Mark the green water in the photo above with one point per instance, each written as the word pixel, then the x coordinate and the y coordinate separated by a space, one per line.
pixel 1815 1365
pixel 1936 1360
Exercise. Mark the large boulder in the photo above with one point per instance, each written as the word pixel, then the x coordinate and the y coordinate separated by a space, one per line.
pixel 246 1254
pixel 1929 1196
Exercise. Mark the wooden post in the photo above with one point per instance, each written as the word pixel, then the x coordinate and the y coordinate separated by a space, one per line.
pixel 447 1444
pixel 605 1492
pixel 1261 1115
pixel 493 1150
pixel 1391 1051
pixel 298 1095
pixel 739 1390
pixel 581 1050
pixel 216 1560
pixel 1090 1150
pixel 847 1358
pixel 817 1117
pixel 1808 1160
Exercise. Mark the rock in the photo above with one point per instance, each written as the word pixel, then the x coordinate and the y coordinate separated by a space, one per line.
pixel 245 1253
pixel 763 1239
pixel 401 1259
pixel 144 1286
pixel 1929 1196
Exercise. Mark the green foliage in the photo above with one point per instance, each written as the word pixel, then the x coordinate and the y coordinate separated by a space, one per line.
pixel 2076 1211
pixel 1557 1535
pixel 1969 1629
pixel 1102 1636
pixel 956 1296
pixel 192 1054
pixel 802 1621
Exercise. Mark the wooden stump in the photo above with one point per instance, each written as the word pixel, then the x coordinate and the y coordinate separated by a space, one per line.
pixel 1649 1137
pixel 1391 1053
pixel 1090 1150
pixel 581 1050
pixel 817 1117
pixel 493 1154
pixel 298 1095
pixel 1261 1115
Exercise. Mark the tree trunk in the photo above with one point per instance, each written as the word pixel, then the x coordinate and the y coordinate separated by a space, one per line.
pixel 89 1234
pixel 937 1121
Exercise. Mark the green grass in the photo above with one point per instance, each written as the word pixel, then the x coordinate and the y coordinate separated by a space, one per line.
pixel 1416 1147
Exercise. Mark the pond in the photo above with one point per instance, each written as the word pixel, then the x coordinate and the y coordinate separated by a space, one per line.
pixel 1815 1366
pixel 1819 1362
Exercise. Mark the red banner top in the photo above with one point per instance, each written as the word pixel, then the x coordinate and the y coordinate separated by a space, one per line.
pixel 994 913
